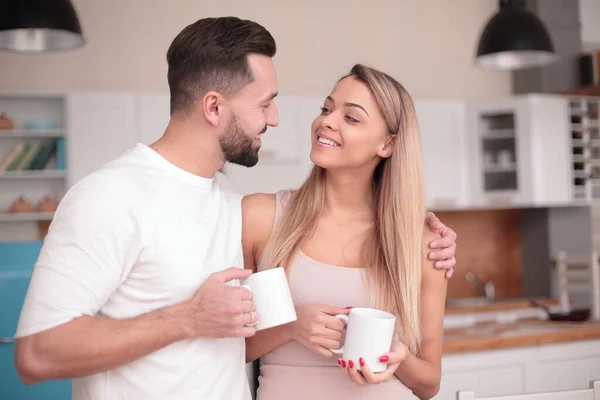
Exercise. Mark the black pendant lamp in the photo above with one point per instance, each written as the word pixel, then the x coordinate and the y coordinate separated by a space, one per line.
pixel 37 26
pixel 514 38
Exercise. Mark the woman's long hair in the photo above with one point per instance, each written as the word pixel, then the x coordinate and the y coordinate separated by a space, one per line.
pixel 392 254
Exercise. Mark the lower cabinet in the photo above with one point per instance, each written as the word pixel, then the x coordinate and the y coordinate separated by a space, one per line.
pixel 542 368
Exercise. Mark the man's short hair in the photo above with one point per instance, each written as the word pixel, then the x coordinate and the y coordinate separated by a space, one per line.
pixel 212 54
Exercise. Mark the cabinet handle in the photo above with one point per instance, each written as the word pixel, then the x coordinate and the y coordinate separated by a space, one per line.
pixel 6 340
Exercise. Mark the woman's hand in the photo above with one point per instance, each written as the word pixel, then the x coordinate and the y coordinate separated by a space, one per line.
pixel 317 328
pixel 365 376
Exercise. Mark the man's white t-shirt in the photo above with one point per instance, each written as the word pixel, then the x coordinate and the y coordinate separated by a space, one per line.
pixel 137 235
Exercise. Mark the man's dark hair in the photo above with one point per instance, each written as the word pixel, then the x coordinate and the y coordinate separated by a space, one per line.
pixel 211 54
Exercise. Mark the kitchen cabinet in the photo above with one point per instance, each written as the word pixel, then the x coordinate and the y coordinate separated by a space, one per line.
pixel 16 264
pixel 32 159
pixel 284 157
pixel 520 152
pixel 563 366
pixel 442 127
pixel 153 112
pixel 101 127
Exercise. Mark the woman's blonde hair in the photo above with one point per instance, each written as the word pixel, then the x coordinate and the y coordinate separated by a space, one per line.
pixel 392 254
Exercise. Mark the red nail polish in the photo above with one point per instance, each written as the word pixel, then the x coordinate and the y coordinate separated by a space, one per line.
pixel 344 363
pixel 339 362
pixel 351 364
pixel 349 307
pixel 384 358
pixel 361 361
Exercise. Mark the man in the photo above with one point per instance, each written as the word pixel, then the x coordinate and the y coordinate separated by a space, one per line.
pixel 130 295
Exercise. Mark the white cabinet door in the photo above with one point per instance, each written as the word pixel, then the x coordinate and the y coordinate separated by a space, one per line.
pixel 498 137
pixel 486 381
pixel 487 373
pixel 565 366
pixel 285 152
pixel 153 114
pixel 101 127
pixel 281 144
pixel 445 159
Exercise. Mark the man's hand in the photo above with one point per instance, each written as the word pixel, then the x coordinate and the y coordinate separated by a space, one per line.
pixel 444 256
pixel 218 310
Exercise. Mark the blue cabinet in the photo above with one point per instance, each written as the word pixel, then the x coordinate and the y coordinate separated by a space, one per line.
pixel 16 264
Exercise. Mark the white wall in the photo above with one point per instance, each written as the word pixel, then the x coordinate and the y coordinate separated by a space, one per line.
pixel 427 44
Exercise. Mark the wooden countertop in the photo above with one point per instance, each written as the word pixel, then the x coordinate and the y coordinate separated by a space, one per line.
pixel 499 305
pixel 492 335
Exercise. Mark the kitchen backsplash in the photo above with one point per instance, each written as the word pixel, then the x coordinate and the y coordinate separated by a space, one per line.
pixel 489 244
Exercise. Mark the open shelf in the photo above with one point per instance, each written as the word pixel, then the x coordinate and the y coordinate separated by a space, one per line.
pixel 584 114
pixel 23 217
pixel 34 174
pixel 32 133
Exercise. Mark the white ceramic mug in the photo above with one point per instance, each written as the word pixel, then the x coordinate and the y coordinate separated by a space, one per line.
pixel 369 335
pixel 272 298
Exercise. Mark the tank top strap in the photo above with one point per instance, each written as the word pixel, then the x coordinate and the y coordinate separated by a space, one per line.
pixel 281 199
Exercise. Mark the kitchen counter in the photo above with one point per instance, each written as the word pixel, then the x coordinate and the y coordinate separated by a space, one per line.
pixel 532 332
pixel 490 332
pixel 499 305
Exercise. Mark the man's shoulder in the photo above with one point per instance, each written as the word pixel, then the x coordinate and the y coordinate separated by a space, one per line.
pixel 118 184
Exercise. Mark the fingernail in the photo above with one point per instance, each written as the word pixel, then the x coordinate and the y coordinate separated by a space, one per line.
pixel 361 361
pixel 351 364
pixel 432 255
pixel 349 307
pixel 339 362
pixel 344 363
pixel 438 265
pixel 384 359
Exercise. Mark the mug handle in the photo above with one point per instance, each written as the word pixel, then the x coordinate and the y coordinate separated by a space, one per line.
pixel 344 318
pixel 250 289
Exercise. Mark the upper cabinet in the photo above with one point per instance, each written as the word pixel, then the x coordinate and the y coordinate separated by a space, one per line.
pixel 284 157
pixel 153 112
pixel 524 151
pixel 101 127
pixel 444 147
pixel 520 154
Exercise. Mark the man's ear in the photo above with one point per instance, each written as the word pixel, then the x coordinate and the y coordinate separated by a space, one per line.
pixel 212 107
pixel 388 147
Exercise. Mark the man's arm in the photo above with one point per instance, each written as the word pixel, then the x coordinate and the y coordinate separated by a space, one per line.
pixel 93 240
pixel 89 345
pixel 445 247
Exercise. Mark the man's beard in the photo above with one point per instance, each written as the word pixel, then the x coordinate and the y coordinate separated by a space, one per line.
pixel 237 146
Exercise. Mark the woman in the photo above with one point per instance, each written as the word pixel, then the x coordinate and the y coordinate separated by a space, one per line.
pixel 360 214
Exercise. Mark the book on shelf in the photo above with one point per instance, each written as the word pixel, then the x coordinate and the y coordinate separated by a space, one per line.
pixel 34 154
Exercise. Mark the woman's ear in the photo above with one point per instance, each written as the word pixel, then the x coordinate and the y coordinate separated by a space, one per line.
pixel 388 147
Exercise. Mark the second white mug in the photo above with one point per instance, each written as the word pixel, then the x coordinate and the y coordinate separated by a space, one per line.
pixel 369 335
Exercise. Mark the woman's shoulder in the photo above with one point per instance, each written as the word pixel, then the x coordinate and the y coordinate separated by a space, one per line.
pixel 258 208
pixel 265 203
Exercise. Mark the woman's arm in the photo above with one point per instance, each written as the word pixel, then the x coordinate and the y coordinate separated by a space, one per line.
pixel 422 374
pixel 316 328
pixel 258 215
